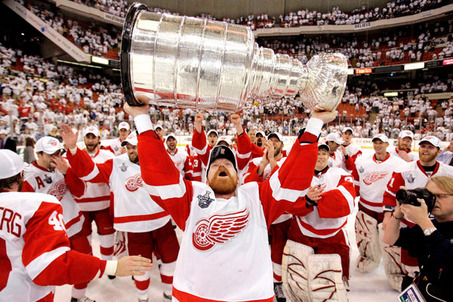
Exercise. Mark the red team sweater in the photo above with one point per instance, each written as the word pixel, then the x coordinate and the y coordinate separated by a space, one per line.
pixel 224 253
pixel 35 253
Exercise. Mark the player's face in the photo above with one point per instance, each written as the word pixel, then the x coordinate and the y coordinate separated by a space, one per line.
pixel 222 176
pixel 443 209
pixel 404 143
pixel 380 147
pixel 124 133
pixel 323 159
pixel 91 142
pixel 171 144
pixel 333 146
pixel 428 154
pixel 132 153
pixel 278 145
pixel 48 160
pixel 212 139
pixel 260 141
pixel 347 136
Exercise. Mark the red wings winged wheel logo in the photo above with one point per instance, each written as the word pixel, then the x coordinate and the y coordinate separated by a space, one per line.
pixel 219 229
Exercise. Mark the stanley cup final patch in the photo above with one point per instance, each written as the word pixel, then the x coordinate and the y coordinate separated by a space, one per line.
pixel 204 200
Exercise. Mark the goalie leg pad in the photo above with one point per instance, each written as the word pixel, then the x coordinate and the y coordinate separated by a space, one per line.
pixel 295 271
pixel 367 237
pixel 394 269
pixel 325 278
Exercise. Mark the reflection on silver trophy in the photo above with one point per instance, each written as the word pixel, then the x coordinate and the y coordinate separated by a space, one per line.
pixel 209 65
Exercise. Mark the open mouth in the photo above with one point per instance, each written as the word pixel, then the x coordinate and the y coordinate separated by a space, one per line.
pixel 223 174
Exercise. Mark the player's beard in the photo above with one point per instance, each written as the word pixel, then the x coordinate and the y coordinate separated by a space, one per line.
pixel 223 185
pixel 426 158
pixel 277 151
pixel 133 157
pixel 91 148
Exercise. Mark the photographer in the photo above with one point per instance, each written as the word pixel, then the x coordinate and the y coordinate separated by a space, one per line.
pixel 429 240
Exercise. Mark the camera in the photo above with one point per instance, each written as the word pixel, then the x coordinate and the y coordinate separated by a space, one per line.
pixel 411 196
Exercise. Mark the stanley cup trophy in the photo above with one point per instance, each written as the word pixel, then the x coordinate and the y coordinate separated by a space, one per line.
pixel 196 63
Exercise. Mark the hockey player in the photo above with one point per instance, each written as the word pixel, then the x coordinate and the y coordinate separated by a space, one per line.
pixel 403 150
pixel 371 175
pixel 124 129
pixel 180 158
pixel 35 251
pixel 95 201
pixel 352 150
pixel 224 253
pixel 199 143
pixel 212 136
pixel 412 175
pixel 338 156
pixel 50 174
pixel 260 169
pixel 317 236
pixel 147 225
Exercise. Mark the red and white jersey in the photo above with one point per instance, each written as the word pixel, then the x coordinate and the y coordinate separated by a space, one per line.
pixel 251 175
pixel 353 150
pixel 334 207
pixel 337 160
pixel 411 175
pixel 41 180
pixel 224 254
pixel 133 208
pixel 371 178
pixel 180 159
pixel 243 152
pixel 97 195
pixel 115 147
pixel 394 151
pixel 35 250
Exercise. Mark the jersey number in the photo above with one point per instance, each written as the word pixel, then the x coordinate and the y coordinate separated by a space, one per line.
pixel 5 264
pixel 56 220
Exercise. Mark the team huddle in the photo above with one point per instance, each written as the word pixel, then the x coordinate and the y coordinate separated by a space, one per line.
pixel 257 220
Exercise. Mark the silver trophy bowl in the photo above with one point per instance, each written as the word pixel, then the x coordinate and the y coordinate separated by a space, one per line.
pixel 186 62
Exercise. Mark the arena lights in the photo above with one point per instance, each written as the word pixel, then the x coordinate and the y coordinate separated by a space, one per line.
pixel 413 66
pixel 447 62
pixel 390 94
pixel 99 60
pixel 79 64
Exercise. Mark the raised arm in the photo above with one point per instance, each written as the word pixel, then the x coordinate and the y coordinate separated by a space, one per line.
pixel 163 181
pixel 291 181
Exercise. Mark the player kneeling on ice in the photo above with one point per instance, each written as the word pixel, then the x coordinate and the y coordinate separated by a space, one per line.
pixel 224 254
pixel 35 252
pixel 316 256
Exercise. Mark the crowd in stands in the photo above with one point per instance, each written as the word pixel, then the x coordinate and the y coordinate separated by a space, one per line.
pixel 38 95
pixel 302 17
pixel 428 42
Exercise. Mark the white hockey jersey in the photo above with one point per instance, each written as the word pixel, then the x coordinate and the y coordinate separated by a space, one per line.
pixel 97 195
pixel 41 180
pixel 224 254
pixel 333 209
pixel 133 208
pixel 412 155
pixel 179 158
pixel 371 178
pixel 411 175
pixel 115 147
